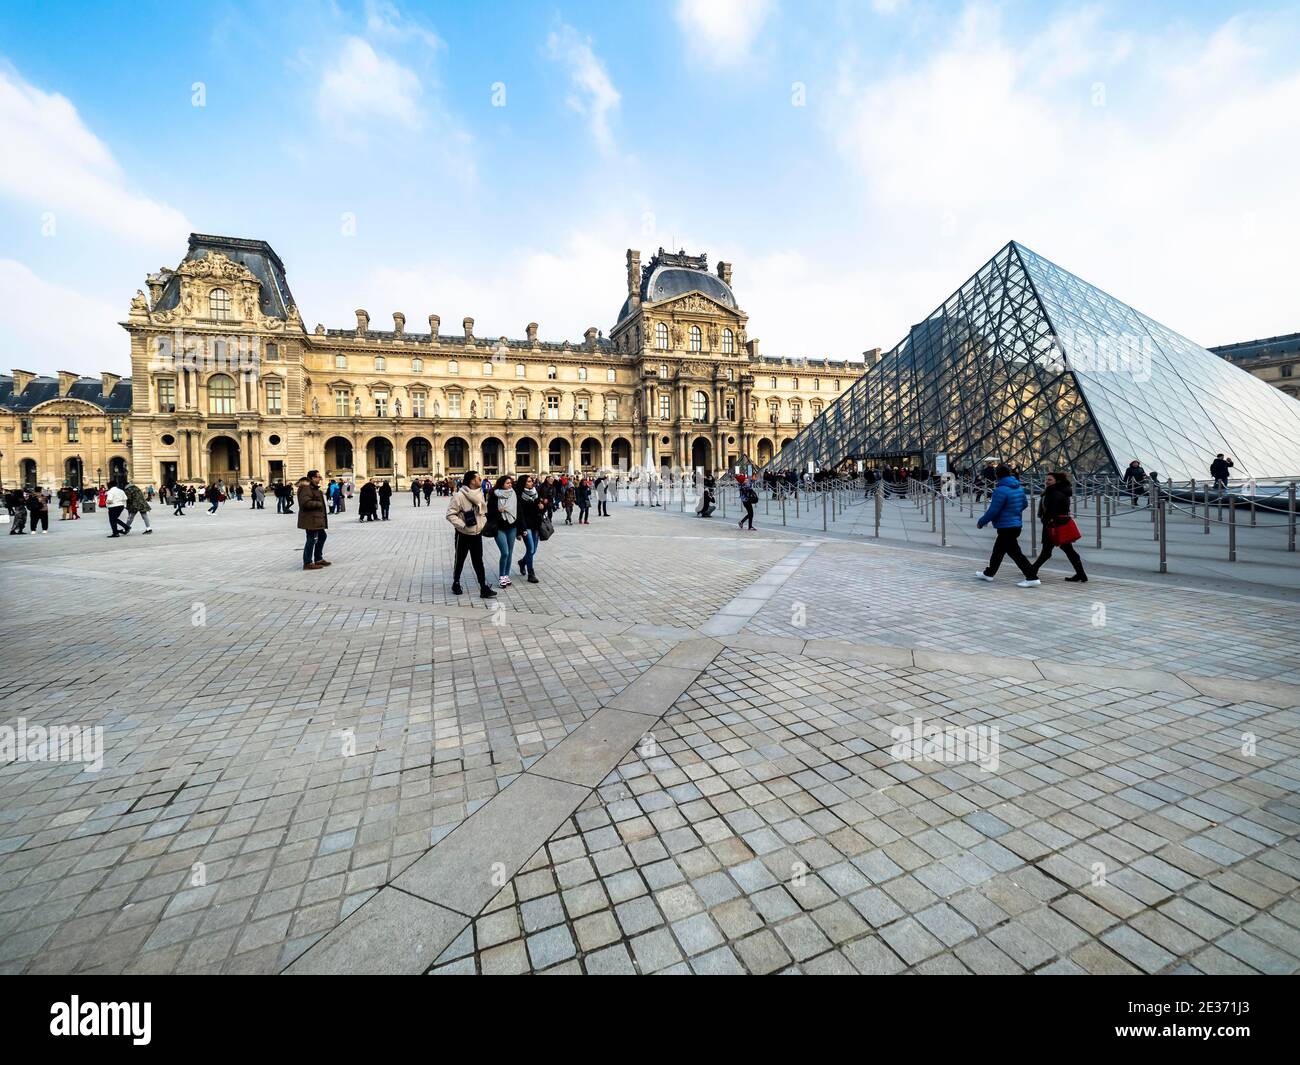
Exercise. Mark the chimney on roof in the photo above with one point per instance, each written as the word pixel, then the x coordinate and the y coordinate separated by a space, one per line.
pixel 399 323
pixel 467 324
pixel 157 282
pixel 434 324
pixel 724 272
pixel 752 347
pixel 532 333
pixel 66 380
pixel 589 338
pixel 110 382
pixel 871 356
pixel 22 378
pixel 363 322
pixel 633 275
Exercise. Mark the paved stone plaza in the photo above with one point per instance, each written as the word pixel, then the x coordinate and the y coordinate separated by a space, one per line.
pixel 672 755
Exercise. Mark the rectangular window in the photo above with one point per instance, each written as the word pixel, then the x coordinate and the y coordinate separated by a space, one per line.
pixel 342 403
pixel 582 373
pixel 117 430
pixel 381 404
pixel 610 375
pixel 665 407
pixel 583 406
pixel 453 404
pixel 74 431
pixel 731 409
pixel 489 406
pixel 340 362
pixel 273 397
pixel 611 407
pixel 417 404
pixel 27 430
pixel 552 407
pixel 519 370
pixel 166 395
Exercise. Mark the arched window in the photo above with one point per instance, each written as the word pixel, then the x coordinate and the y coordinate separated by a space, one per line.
pixel 728 342
pixel 381 364
pixel 219 303
pixel 697 338
pixel 661 336
pixel 550 373
pixel 700 407
pixel 582 373
pixel 340 362
pixel 221 394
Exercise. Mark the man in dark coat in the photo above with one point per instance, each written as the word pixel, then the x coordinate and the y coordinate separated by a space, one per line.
pixel 385 498
pixel 312 519
pixel 1219 470
pixel 369 502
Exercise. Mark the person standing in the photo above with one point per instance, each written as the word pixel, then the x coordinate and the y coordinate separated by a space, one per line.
pixel 116 501
pixel 602 497
pixel 137 504
pixel 103 497
pixel 1005 507
pixel 570 501
pixel 313 520
pixel 467 513
pixel 17 501
pixel 38 509
pixel 428 490
pixel 502 516
pixel 1134 477
pixel 1219 471
pixel 368 504
pixel 531 510
pixel 385 499
pixel 75 504
pixel 1054 513
pixel 583 495
pixel 65 501
pixel 415 493
pixel 178 501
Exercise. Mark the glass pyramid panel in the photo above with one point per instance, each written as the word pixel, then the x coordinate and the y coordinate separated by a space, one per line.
pixel 1028 364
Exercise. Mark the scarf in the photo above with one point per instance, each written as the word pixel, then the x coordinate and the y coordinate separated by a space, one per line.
pixel 507 504
pixel 474 496
pixel 529 494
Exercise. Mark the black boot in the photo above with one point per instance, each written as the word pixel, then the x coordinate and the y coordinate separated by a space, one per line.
pixel 485 592
pixel 456 589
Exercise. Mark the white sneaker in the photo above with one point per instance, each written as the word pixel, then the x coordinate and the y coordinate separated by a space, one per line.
pixel 1029 584
pixel 983 576
pixel 505 582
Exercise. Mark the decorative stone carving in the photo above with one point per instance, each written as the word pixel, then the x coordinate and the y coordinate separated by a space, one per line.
pixel 139 304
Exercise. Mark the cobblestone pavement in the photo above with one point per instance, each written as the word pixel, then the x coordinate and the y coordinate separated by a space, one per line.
pixel 316 771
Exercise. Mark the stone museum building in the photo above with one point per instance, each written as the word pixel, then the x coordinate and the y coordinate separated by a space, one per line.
pixel 228 382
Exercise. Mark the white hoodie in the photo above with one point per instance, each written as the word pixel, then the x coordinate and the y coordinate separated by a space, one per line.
pixel 116 497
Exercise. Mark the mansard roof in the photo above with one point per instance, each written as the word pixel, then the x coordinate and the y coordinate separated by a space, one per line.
pixel 43 389
pixel 257 255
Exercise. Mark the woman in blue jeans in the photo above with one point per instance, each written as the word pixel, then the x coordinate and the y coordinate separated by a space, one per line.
pixel 503 514
pixel 532 508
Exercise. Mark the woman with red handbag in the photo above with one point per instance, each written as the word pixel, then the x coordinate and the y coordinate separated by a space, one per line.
pixel 1059 529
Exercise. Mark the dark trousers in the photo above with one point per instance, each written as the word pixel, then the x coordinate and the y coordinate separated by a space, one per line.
pixel 1008 544
pixel 114 520
pixel 383 508
pixel 415 499
pixel 584 512
pixel 470 547
pixel 1070 553
pixel 602 508
pixel 42 518
pixel 749 515
pixel 568 514
pixel 314 548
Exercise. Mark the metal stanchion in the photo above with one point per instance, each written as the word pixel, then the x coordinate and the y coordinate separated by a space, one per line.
pixel 933 508
pixel 1110 506
pixel 1232 530
pixel 783 509
pixel 943 522
pixel 1206 510
pixel 823 510
pixel 879 492
pixel 796 503
pixel 1290 510
pixel 1155 502
pixel 1098 509
pixel 1033 525
pixel 1160 523
pixel 1252 507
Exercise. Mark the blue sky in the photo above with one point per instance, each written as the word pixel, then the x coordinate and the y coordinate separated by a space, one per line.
pixel 856 161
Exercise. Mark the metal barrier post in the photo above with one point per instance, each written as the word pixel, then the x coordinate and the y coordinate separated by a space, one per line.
pixel 1252 507
pixel 796 502
pixel 933 509
pixel 1232 530
pixel 724 500
pixel 943 521
pixel 1110 506
pixel 823 510
pixel 1098 522
pixel 783 509
pixel 880 487
pixel 1207 510
pixel 1290 509
pixel 1164 568
pixel 1157 502
pixel 1033 525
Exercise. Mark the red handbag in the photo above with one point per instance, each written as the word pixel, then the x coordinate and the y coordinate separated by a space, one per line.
pixel 1065 533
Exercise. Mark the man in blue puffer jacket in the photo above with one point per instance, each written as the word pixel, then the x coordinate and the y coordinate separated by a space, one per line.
pixel 1005 507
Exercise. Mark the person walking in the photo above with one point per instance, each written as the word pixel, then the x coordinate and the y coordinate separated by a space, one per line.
pixel 214 497
pixel 17 503
pixel 583 495
pixel 65 501
pixel 570 500
pixel 385 499
pixel 178 501
pixel 748 497
pixel 313 519
pixel 1059 527
pixel 137 504
pixel 1134 476
pixel 115 498
pixel 75 504
pixel 502 518
pixel 368 504
pixel 532 512
pixel 38 509
pixel 428 490
pixel 467 513
pixel 602 497
pixel 415 493
pixel 1006 504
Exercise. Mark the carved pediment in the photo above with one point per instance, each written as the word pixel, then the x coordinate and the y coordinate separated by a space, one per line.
pixel 698 303
pixel 67 405
pixel 216 267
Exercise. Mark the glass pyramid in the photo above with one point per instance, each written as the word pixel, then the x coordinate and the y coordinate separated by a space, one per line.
pixel 1030 365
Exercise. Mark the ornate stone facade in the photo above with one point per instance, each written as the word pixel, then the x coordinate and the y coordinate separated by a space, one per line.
pixel 229 383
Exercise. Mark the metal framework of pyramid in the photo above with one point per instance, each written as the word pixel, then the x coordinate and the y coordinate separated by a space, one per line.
pixel 1030 365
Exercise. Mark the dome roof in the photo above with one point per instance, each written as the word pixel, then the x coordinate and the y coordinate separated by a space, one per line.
pixel 680 274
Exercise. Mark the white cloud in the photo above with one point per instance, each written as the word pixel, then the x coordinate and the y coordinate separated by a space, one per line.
pixel 722 32
pixel 594 94
pixel 363 85
pixel 385 20
pixel 87 339
pixel 1175 186
pixel 56 164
